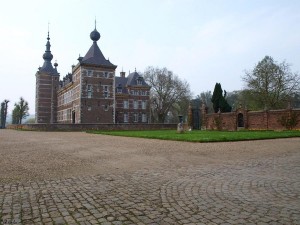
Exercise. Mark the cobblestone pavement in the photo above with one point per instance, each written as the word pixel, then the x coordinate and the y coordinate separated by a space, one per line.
pixel 251 192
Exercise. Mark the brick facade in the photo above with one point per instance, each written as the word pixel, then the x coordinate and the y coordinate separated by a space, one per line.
pixel 91 93
pixel 47 84
pixel 88 97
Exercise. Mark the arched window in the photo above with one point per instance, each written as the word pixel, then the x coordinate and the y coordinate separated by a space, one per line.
pixel 241 120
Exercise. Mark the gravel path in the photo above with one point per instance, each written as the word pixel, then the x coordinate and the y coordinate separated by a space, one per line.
pixel 79 178
pixel 29 155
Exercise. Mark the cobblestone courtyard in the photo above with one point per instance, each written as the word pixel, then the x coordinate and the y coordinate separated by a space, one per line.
pixel 79 178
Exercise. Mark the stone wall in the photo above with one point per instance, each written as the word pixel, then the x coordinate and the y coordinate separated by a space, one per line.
pixel 84 127
pixel 252 120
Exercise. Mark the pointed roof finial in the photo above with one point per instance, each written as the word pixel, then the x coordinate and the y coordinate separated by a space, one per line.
pixel 95 35
pixel 95 22
pixel 55 64
pixel 135 69
pixel 47 56
pixel 48 38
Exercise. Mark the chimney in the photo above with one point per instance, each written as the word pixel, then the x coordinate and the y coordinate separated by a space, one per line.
pixel 122 74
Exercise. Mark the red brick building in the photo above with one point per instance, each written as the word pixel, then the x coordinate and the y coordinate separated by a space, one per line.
pixel 91 93
pixel 132 99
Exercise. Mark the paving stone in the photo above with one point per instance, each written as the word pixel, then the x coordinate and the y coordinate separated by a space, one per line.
pixel 231 194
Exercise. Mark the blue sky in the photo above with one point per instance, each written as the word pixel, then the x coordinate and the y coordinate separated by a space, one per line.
pixel 203 42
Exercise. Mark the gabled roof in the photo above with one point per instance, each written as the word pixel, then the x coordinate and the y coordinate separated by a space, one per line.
pixel 130 80
pixel 133 77
pixel 94 56
pixel 121 81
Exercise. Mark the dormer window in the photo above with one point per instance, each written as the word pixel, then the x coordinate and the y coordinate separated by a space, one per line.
pixel 139 81
pixel 119 89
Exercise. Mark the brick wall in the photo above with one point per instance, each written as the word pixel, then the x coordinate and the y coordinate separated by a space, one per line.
pixel 252 120
pixel 84 127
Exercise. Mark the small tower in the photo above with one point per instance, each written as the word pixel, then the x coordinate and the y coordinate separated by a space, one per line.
pixel 47 82
pixel 97 99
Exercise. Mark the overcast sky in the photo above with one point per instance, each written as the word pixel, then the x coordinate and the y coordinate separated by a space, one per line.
pixel 203 42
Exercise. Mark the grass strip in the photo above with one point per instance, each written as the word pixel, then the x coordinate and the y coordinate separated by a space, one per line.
pixel 203 136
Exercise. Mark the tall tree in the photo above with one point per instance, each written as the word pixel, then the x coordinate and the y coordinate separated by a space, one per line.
pixel 296 100
pixel 168 93
pixel 216 97
pixel 20 111
pixel 205 97
pixel 3 113
pixel 272 84
pixel 234 99
pixel 219 100
pixel 15 115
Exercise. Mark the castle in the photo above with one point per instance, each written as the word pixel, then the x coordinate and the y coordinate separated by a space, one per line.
pixel 91 93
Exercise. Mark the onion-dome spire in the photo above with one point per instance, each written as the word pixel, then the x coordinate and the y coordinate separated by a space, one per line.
pixel 47 56
pixel 95 35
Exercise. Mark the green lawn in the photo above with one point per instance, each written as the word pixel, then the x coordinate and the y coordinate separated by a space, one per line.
pixel 203 136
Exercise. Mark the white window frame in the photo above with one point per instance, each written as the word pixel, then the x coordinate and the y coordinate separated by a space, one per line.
pixel 144 117
pixel 125 118
pixel 144 104
pixel 135 104
pixel 89 88
pixel 135 117
pixel 125 104
pixel 89 94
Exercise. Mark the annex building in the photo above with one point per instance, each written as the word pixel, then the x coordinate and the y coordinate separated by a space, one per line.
pixel 91 93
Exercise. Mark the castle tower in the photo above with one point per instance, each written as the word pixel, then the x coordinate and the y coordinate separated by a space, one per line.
pixel 97 85
pixel 87 95
pixel 47 82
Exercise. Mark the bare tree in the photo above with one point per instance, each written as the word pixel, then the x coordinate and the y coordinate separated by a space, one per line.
pixel 168 93
pixel 20 111
pixel 272 84
pixel 205 97
pixel 4 106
